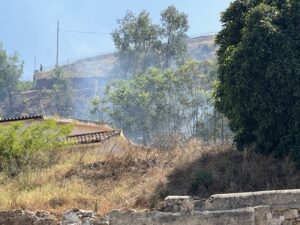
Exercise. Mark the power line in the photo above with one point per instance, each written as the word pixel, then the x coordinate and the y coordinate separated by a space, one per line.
pixel 203 34
pixel 67 44
pixel 57 43
pixel 86 32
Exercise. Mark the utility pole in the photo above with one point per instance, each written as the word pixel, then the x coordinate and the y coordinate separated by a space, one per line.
pixel 57 43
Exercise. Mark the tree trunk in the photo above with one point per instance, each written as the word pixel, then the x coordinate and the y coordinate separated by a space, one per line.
pixel 222 128
pixel 11 104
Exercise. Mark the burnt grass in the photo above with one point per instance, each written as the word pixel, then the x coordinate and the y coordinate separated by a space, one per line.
pixel 111 170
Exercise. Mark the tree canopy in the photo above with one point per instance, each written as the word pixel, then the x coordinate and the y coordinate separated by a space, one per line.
pixel 141 44
pixel 165 93
pixel 259 75
pixel 61 92
pixel 11 69
pixel 166 102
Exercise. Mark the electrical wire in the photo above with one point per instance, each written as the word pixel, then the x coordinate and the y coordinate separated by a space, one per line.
pixel 67 44
pixel 85 32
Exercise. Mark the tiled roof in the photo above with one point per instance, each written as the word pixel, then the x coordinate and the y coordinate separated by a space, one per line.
pixel 34 117
pixel 95 137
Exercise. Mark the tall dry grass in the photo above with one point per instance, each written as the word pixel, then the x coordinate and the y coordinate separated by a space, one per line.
pixel 118 174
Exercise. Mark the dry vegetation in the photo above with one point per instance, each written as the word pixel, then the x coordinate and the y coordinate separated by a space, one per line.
pixel 120 175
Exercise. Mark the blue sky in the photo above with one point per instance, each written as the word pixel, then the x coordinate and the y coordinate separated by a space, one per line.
pixel 29 26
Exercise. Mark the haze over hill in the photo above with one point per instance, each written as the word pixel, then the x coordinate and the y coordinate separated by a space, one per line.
pixel 88 76
pixel 103 67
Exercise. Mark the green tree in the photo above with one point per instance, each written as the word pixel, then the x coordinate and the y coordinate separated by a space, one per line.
pixel 141 44
pixel 137 43
pixel 61 92
pixel 174 26
pixel 162 102
pixel 98 109
pixel 259 76
pixel 11 69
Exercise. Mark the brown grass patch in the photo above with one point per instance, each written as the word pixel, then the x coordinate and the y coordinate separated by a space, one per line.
pixel 120 175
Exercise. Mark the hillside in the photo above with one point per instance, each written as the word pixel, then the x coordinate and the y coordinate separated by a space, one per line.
pixel 104 66
pixel 119 175
pixel 89 76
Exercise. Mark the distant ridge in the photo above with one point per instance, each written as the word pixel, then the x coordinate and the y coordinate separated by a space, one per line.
pixel 104 65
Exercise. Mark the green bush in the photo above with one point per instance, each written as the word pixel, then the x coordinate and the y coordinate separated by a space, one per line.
pixel 201 182
pixel 22 145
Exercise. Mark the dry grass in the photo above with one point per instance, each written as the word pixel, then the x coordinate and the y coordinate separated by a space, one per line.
pixel 63 185
pixel 119 175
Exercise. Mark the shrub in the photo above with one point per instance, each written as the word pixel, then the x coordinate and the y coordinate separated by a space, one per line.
pixel 22 145
pixel 201 182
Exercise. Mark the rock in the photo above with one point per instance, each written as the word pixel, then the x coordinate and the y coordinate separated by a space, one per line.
pixel 178 204
pixel 115 211
pixel 70 218
pixel 291 214
pixel 87 213
pixel 102 222
pixel 88 221
pixel 26 217
pixel 187 207
pixel 78 217
pixel 172 200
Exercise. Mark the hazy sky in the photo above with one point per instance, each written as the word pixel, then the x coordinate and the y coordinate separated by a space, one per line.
pixel 29 26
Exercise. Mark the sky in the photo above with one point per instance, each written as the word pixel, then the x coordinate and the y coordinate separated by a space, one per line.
pixel 29 26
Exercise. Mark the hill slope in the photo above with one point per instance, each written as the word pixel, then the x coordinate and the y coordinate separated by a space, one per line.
pixel 103 66
pixel 120 175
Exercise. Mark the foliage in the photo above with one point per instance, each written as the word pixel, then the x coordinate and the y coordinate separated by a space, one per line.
pixel 165 94
pixel 161 102
pixel 20 143
pixel 212 126
pixel 174 26
pixel 98 109
pixel 141 44
pixel 24 86
pixel 202 180
pixel 259 76
pixel 136 40
pixel 11 69
pixel 61 92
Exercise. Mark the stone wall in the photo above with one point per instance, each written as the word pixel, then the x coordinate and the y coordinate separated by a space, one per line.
pixel 25 217
pixel 240 200
pixel 231 217
pixel 255 208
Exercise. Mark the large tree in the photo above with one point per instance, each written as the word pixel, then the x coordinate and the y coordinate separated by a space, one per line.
pixel 11 69
pixel 259 75
pixel 141 44
pixel 164 102
pixel 174 26
pixel 136 41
